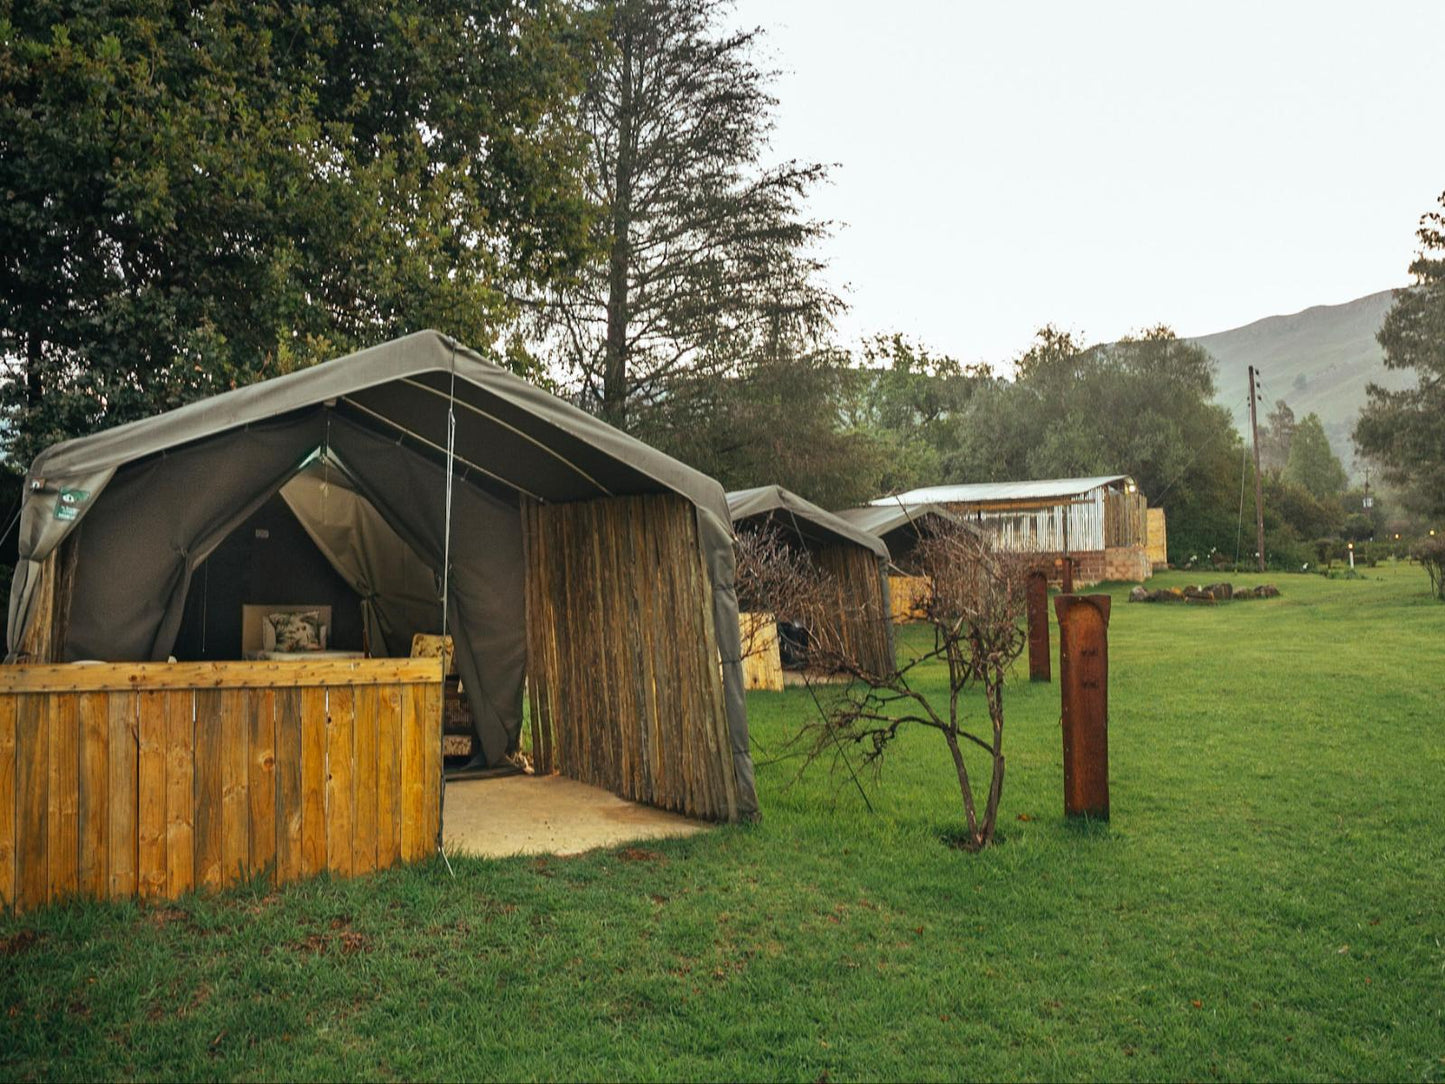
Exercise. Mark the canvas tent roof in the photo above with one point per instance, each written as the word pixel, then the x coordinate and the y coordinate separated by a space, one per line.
pixel 155 497
pixel 883 519
pixel 810 521
pixel 977 493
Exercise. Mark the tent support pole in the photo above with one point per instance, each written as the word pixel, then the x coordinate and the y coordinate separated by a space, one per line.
pixel 446 591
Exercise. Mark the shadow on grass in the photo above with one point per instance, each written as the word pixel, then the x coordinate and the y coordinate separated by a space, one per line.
pixel 1088 827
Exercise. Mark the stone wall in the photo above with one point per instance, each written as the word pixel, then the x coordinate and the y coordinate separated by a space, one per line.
pixel 1129 564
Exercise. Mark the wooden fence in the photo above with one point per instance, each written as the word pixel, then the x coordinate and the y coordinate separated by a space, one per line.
pixel 152 779
pixel 907 595
pixel 1158 532
pixel 762 654
pixel 622 660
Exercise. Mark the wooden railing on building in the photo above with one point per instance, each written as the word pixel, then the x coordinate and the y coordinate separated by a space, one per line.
pixel 623 669
pixel 154 779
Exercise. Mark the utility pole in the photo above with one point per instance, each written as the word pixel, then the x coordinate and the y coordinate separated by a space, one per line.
pixel 1258 489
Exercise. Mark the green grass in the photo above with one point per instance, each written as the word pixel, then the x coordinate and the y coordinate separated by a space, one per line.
pixel 1266 903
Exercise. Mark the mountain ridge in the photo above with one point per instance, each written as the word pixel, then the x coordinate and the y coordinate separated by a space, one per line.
pixel 1318 360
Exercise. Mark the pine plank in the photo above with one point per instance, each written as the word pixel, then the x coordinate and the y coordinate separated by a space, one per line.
pixel 289 814
pixel 261 789
pixel 8 790
pixel 236 783
pixel 413 764
pixel 313 781
pixel 63 846
pixel 122 708
pixel 431 739
pixel 363 845
pixel 340 796
pixel 388 775
pixel 103 677
pixel 152 792
pixel 180 849
pixel 32 749
pixel 209 788
pixel 93 795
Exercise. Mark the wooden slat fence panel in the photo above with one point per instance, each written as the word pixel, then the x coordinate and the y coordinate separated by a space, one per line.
pixel 624 681
pixel 115 783
pixel 762 654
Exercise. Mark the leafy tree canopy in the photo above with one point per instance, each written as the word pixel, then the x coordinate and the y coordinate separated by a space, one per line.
pixel 701 260
pixel 1404 431
pixel 1312 464
pixel 198 196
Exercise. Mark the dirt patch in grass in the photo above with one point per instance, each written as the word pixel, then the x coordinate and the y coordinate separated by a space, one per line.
pixel 347 942
pixel 18 944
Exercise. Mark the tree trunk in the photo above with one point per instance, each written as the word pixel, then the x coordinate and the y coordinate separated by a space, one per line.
pixel 614 372
pixel 34 390
pixel 963 786
pixel 993 693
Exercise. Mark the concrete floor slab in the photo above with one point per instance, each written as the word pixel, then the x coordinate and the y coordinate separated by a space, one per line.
pixel 528 814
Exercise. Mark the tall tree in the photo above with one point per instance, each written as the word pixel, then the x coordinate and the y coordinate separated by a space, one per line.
pixel 913 400
pixel 195 196
pixel 701 253
pixel 778 422
pixel 1275 437
pixel 1312 464
pixel 1404 431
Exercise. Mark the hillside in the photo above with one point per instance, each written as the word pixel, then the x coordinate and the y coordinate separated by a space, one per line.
pixel 1318 361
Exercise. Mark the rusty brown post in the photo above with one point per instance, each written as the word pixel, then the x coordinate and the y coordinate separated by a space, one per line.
pixel 1084 690
pixel 1067 576
pixel 1038 612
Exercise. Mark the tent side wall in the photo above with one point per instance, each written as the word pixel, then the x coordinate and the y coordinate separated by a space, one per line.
pixel 623 665
pixel 862 621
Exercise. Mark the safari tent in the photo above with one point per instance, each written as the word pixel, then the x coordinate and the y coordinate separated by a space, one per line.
pixel 902 527
pixel 855 561
pixel 398 489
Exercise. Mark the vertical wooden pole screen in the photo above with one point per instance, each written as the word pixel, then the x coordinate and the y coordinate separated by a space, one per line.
pixel 859 622
pixel 622 660
pixel 154 779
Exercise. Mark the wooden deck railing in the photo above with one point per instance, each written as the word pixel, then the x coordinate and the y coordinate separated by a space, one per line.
pixel 152 779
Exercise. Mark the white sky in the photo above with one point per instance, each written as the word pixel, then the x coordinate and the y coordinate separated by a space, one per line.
pixel 1106 166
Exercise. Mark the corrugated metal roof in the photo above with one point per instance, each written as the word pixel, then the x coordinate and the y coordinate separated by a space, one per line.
pixel 977 493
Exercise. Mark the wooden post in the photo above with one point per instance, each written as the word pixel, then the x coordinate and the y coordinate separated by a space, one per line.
pixel 1066 574
pixel 1038 614
pixel 1084 690
pixel 1258 488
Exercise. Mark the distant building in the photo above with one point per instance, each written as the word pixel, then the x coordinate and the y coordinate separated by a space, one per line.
pixel 1100 522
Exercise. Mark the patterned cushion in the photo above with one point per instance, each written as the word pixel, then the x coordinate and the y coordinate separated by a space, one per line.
pixel 299 631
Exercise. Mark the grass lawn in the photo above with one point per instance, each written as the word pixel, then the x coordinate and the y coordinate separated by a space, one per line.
pixel 1268 902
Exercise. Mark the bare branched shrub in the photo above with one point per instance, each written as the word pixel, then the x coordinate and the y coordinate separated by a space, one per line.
pixel 778 578
pixel 1431 554
pixel 975 606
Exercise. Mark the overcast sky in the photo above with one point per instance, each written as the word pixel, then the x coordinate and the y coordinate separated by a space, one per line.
pixel 1107 166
